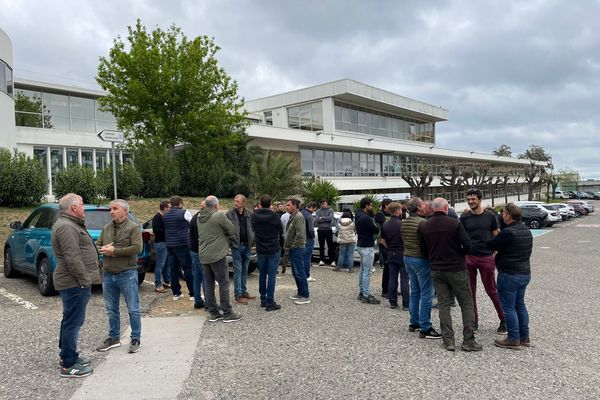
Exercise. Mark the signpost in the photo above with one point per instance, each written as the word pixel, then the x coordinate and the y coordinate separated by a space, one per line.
pixel 113 137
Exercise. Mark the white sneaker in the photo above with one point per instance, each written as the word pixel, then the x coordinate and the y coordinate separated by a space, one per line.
pixel 372 270
pixel 333 264
pixel 302 300
pixel 192 298
pixel 311 279
pixel 295 297
pixel 321 263
pixel 175 298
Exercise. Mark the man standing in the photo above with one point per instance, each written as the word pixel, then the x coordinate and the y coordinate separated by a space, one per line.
pixel 324 221
pixel 381 217
pixel 76 271
pixel 269 242
pixel 240 218
pixel 310 237
pixel 295 241
pixel 417 266
pixel 177 225
pixel 215 232
pixel 444 240
pixel 158 229
pixel 120 243
pixel 482 226
pixel 391 239
pixel 366 231
pixel 514 245
pixel 197 267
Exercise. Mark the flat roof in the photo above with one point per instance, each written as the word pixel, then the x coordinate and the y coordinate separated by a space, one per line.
pixel 57 88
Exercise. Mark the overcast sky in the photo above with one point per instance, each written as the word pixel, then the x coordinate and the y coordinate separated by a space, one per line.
pixel 510 72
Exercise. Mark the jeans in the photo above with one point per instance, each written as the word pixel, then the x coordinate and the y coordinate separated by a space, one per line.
pixel 74 301
pixel 308 249
pixel 457 283
pixel 367 257
pixel 179 257
pixel 385 276
pixel 346 255
pixel 487 268
pixel 396 267
pixel 326 235
pixel 241 259
pixel 267 264
pixel 295 257
pixel 511 289
pixel 161 265
pixel 198 278
pixel 421 291
pixel 218 272
pixel 125 283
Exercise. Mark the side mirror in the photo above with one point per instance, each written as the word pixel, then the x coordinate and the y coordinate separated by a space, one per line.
pixel 16 225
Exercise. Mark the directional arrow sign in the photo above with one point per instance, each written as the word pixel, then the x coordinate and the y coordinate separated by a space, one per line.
pixel 111 136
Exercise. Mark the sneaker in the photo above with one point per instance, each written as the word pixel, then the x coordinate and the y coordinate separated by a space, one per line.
pixel 160 289
pixel 108 344
pixel 200 305
pixel 394 306
pixel 414 328
pixel 508 344
pixel 247 296
pixel 302 300
pixel 333 264
pixel 263 304
pixel 134 346
pixel 525 342
pixel 295 297
pixel 273 307
pixel 502 328
pixel 430 334
pixel 214 317
pixel 83 362
pixel 231 317
pixel 310 279
pixel 76 371
pixel 471 345
pixel 167 285
pixel 177 297
pixel 370 300
pixel 372 270
pixel 336 269
pixel 450 346
pixel 241 300
pixel 192 298
pixel 475 326
pixel 350 270
pixel 321 263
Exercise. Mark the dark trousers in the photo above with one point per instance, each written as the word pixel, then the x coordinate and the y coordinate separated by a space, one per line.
pixel 74 301
pixel 487 268
pixel 217 271
pixel 383 261
pixel 326 235
pixel 179 257
pixel 457 283
pixel 396 267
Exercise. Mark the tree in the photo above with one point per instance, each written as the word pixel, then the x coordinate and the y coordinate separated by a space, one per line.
pixel 319 189
pixel 159 172
pixel 164 89
pixel 503 176
pixel 23 181
pixel 77 179
pixel 31 111
pixel 275 174
pixel 534 171
pixel 454 176
pixel 418 178
pixel 569 178
pixel 503 151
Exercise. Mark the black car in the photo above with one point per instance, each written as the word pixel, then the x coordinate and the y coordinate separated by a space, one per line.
pixel 534 217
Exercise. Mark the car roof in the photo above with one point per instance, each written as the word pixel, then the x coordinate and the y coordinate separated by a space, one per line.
pixel 86 207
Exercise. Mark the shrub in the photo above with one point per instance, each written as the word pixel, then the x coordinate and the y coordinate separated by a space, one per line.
pixel 23 181
pixel 375 202
pixel 129 181
pixel 318 189
pixel 77 179
pixel 274 174
pixel 159 172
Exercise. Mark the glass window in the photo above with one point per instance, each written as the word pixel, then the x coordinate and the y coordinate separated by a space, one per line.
pixel 56 162
pixel 31 221
pixel 84 125
pixel 87 159
pixel 9 80
pixel 319 160
pixel 339 163
pixel 329 165
pixel 3 68
pixel 101 160
pixel 268 117
pixel 304 116
pixel 306 160
pixel 347 164
pixel 293 121
pixel 40 155
pixel 82 108
pixel 316 116
pixel 72 157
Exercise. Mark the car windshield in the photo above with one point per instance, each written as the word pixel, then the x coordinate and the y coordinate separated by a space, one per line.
pixel 97 219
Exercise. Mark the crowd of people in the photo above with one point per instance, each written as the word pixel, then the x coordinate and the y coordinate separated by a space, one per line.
pixel 426 250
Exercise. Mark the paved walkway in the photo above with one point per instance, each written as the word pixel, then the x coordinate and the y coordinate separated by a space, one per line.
pixel 158 371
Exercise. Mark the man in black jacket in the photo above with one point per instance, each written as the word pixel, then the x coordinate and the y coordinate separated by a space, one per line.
pixel 381 217
pixel 514 245
pixel 160 269
pixel 366 231
pixel 445 242
pixel 268 233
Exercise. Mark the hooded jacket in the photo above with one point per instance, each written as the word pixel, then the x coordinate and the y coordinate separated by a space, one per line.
pixel 346 231
pixel 215 234
pixel 268 231
pixel 365 229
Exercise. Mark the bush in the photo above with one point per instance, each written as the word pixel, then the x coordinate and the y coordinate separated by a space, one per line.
pixel 375 202
pixel 319 189
pixel 159 172
pixel 23 180
pixel 275 174
pixel 129 182
pixel 77 179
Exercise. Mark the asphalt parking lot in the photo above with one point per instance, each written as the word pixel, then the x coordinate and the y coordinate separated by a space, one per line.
pixel 337 347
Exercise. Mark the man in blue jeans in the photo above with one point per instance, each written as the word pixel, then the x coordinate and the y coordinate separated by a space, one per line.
pixel 76 271
pixel 120 242
pixel 240 218
pixel 307 212
pixel 161 272
pixel 366 231
pixel 514 245
pixel 269 242
pixel 295 240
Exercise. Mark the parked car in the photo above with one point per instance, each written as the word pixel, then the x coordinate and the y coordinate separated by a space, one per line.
pixel 553 216
pixel 579 209
pixel 585 204
pixel 533 217
pixel 566 211
pixel 559 194
pixel 593 195
pixel 28 248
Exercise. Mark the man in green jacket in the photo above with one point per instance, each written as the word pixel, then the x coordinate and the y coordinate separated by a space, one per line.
pixel 215 234
pixel 295 241
pixel 120 242
pixel 76 271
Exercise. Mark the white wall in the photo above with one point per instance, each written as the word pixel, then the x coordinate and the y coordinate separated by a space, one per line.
pixel 7 103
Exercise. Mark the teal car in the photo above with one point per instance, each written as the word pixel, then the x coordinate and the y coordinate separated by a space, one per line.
pixel 28 247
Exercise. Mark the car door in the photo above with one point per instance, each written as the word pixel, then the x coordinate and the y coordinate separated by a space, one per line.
pixel 39 238
pixel 21 237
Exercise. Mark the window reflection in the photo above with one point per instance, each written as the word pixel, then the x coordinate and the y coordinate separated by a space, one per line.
pixel 306 116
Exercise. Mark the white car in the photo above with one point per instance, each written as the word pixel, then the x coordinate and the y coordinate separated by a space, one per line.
pixel 566 212
pixel 559 194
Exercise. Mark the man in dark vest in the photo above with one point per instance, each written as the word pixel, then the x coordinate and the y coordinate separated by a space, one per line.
pixel 177 225
pixel 391 239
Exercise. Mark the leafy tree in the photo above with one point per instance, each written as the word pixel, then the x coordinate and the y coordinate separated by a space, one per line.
pixel 275 174
pixel 23 181
pixel 503 151
pixel 129 181
pixel 534 171
pixel 569 178
pixel 165 89
pixel 77 179
pixel 159 172
pixel 319 189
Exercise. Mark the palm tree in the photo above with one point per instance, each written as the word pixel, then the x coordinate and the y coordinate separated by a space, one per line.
pixel 275 174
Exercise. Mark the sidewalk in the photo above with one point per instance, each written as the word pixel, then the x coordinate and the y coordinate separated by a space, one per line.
pixel 158 371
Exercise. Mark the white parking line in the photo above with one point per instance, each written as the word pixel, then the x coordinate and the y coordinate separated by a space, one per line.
pixel 17 299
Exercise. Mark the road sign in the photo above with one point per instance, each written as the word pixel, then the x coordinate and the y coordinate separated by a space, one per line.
pixel 111 136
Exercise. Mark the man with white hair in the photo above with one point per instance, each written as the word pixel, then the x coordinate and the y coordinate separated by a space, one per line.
pixel 120 242
pixel 445 242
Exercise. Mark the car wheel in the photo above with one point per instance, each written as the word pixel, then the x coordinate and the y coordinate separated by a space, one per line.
pixel 586 211
pixel 535 224
pixel 9 268
pixel 44 277
pixel 577 214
